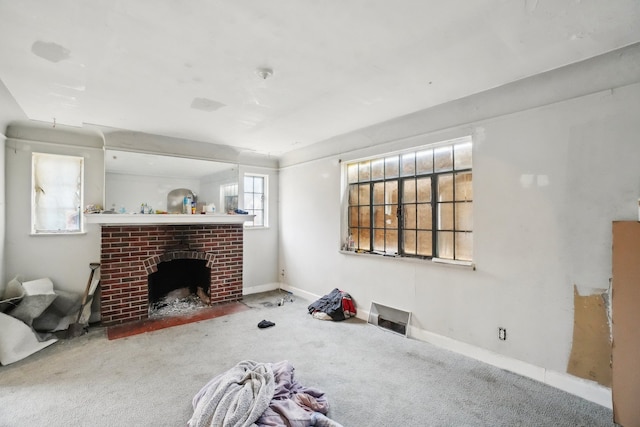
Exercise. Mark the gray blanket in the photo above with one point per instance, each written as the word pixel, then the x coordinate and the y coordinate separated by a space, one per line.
pixel 266 394
pixel 236 398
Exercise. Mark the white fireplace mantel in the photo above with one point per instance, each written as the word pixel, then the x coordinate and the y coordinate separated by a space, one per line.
pixel 167 219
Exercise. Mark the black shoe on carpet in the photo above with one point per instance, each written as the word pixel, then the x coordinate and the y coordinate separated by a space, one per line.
pixel 265 324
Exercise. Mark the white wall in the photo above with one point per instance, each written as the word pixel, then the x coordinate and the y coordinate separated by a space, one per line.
pixel 261 244
pixel 548 182
pixel 9 111
pixel 3 283
pixel 64 259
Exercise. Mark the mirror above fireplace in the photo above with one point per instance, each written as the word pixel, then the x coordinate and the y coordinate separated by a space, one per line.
pixel 134 179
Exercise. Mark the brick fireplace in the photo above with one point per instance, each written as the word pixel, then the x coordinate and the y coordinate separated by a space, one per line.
pixel 130 253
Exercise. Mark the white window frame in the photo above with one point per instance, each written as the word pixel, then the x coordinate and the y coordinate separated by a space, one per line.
pixel 265 200
pixel 38 188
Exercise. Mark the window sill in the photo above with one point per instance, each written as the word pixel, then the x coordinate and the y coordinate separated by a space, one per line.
pixel 74 233
pixel 436 261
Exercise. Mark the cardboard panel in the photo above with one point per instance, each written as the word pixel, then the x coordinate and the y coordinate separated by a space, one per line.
pixel 626 323
pixel 591 350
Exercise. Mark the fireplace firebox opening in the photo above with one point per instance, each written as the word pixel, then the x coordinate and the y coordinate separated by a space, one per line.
pixel 179 286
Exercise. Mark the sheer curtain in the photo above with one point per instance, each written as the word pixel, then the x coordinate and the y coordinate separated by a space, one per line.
pixel 57 193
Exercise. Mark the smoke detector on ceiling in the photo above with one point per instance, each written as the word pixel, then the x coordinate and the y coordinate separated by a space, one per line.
pixel 264 73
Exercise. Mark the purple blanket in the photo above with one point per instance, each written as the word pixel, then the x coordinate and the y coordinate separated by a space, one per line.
pixel 292 404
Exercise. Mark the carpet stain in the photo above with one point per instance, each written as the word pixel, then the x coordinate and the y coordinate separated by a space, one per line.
pixel 315 344
pixel 424 358
pixel 483 376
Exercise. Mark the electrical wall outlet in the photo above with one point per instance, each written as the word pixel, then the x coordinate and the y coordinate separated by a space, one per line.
pixel 502 334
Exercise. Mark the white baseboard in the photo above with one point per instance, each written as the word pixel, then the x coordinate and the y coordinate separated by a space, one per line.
pixel 300 292
pixel 260 288
pixel 586 389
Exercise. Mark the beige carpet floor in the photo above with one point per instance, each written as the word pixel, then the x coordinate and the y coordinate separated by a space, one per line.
pixel 371 377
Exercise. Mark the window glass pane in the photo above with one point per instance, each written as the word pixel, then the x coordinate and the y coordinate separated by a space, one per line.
pixel 424 162
pixel 424 216
pixel 408 164
pixel 464 187
pixel 258 184
pixel 445 244
pixel 353 217
pixel 364 171
pixel 353 194
pixel 378 240
pixel 378 217
pixel 425 243
pixel 391 216
pixel 409 237
pixel 443 159
pixel 445 188
pixel 464 216
pixel 424 189
pixel 377 169
pixel 352 173
pixel 464 246
pixel 462 153
pixel 248 201
pixel 391 191
pixel 364 215
pixel 409 216
pixel 363 198
pixel 391 165
pixel 257 201
pixel 445 216
pixel 378 193
pixel 391 241
pixel 409 191
pixel 364 239
pixel 248 184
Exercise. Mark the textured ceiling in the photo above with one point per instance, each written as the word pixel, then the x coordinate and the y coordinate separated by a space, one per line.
pixel 187 69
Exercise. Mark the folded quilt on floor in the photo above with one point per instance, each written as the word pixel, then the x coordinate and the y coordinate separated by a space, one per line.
pixel 289 403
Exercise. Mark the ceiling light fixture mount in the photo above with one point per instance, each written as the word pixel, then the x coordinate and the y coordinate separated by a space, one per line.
pixel 264 73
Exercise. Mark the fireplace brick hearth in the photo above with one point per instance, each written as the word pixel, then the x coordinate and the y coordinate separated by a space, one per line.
pixel 129 253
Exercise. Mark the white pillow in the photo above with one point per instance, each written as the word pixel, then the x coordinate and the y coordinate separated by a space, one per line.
pixel 38 295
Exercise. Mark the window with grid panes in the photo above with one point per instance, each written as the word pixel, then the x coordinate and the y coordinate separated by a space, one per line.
pixel 255 199
pixel 414 204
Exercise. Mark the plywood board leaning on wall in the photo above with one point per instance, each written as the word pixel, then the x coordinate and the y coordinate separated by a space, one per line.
pixel 626 318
